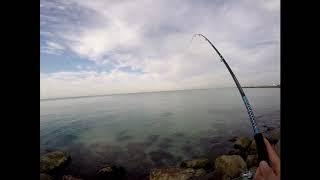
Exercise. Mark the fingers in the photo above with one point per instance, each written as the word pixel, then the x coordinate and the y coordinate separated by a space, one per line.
pixel 258 175
pixel 265 169
pixel 274 158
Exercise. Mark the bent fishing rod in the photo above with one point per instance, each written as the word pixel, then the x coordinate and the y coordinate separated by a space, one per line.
pixel 261 148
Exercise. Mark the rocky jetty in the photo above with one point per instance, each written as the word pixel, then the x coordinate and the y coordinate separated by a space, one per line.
pixel 229 165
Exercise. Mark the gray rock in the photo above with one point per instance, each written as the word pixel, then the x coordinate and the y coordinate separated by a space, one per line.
pixel 69 177
pixel 230 166
pixel 53 160
pixel 111 172
pixel 252 160
pixel 196 163
pixel 242 143
pixel 44 176
pixel 173 173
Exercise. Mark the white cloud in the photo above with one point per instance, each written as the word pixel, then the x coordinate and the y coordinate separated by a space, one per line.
pixel 153 37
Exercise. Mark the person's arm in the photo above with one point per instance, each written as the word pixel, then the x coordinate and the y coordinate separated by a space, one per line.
pixel 264 171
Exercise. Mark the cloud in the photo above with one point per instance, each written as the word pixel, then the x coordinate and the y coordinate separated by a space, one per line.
pixel 144 42
pixel 52 48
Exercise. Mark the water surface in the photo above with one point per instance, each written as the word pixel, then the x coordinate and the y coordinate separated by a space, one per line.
pixel 145 130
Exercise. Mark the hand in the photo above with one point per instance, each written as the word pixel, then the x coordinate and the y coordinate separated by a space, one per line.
pixel 264 171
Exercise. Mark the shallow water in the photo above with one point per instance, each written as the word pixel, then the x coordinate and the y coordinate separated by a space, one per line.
pixel 141 131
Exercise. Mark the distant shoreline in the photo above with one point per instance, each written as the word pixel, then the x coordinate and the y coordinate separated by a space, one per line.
pixel 89 96
pixel 261 87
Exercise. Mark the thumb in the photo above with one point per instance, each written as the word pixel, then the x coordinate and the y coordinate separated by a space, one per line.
pixel 265 169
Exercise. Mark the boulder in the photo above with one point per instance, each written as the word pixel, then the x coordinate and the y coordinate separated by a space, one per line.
pixel 200 172
pixel 230 166
pixel 69 177
pixel 52 161
pixel 233 139
pixel 252 160
pixel 173 173
pixel 196 163
pixel 111 172
pixel 242 143
pixel 44 176
pixel 234 152
pixel 252 148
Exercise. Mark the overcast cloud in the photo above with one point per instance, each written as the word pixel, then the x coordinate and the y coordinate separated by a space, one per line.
pixel 91 47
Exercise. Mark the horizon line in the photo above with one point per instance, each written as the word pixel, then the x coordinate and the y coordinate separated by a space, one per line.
pixel 158 91
pixel 112 94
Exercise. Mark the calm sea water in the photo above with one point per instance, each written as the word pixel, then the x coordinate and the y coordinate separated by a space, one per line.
pixel 142 131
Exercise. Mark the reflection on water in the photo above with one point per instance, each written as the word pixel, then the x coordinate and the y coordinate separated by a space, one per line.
pixel 141 131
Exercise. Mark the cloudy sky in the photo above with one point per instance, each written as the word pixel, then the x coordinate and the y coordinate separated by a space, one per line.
pixel 90 47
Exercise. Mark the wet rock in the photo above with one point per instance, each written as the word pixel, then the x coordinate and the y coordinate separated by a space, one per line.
pixel 233 139
pixel 53 161
pixel 173 173
pixel 230 166
pixel 196 163
pixel 234 152
pixel 200 172
pixel 69 177
pixel 44 176
pixel 252 148
pixel 241 152
pixel 252 160
pixel 111 172
pixel 242 143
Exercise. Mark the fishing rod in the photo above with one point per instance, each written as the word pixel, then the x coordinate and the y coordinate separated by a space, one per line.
pixel 261 148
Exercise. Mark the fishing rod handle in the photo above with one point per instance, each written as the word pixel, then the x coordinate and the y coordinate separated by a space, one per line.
pixel 261 148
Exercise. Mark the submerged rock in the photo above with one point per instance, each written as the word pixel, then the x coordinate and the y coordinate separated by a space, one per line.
pixel 111 172
pixel 242 143
pixel 252 160
pixel 69 177
pixel 196 163
pixel 44 176
pixel 53 160
pixel 173 173
pixel 230 166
